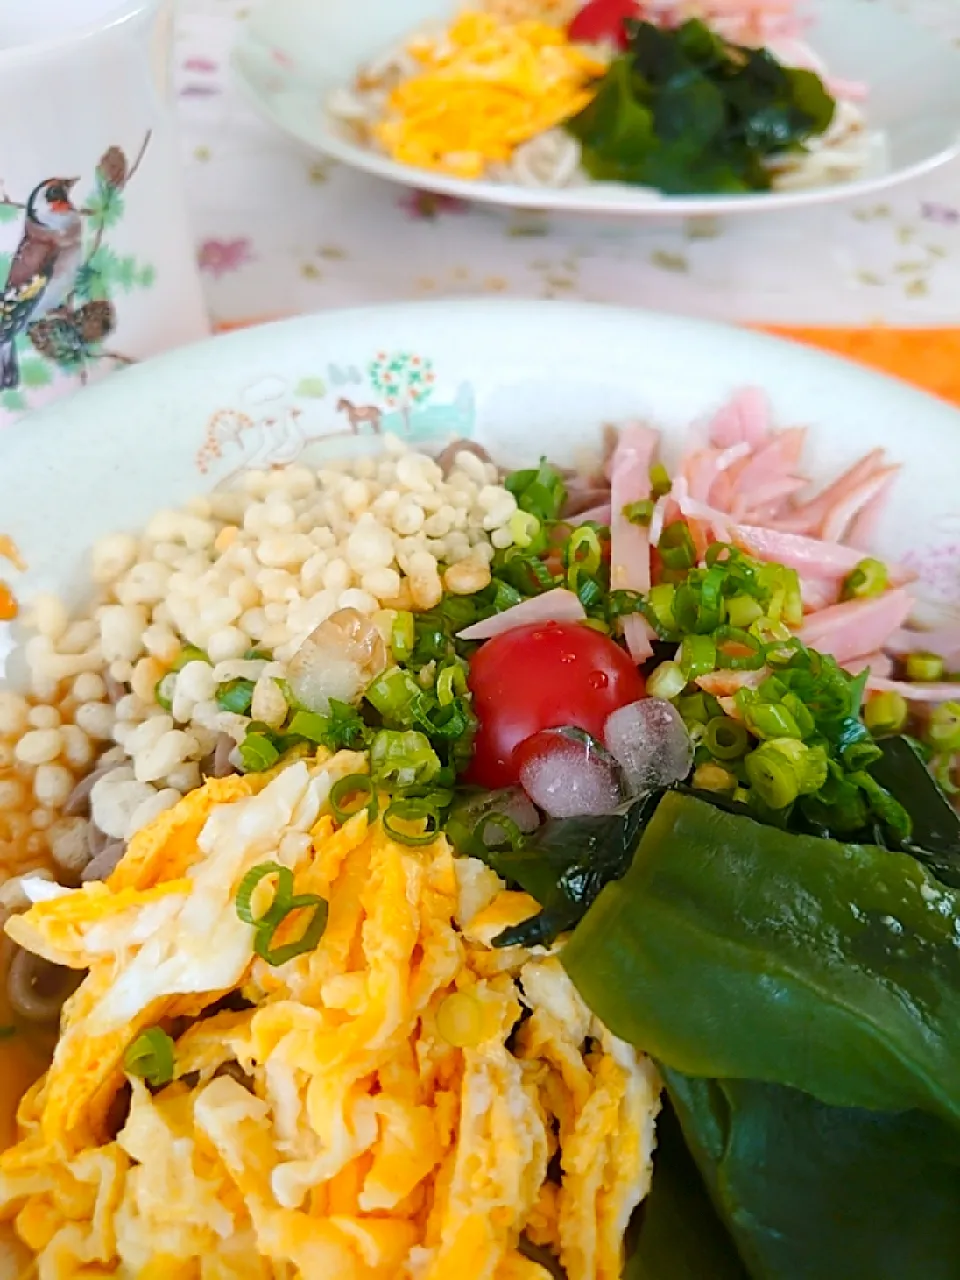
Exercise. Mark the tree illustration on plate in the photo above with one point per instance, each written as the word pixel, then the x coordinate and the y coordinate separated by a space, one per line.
pixel 405 381
pixel 71 338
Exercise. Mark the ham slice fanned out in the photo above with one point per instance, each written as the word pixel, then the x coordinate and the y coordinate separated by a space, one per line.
pixel 944 642
pixel 811 557
pixel 629 542
pixel 878 664
pixel 558 605
pixel 856 627
pixel 942 691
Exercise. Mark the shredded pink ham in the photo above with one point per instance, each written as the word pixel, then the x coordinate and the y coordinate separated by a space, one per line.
pixel 945 643
pixel 856 627
pixel 944 691
pixel 598 515
pixel 629 542
pixel 558 605
pixel 811 557
pixel 878 664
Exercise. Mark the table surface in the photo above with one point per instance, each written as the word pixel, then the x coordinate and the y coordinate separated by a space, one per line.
pixel 281 231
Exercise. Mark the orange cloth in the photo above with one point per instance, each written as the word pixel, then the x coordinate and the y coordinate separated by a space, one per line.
pixel 929 358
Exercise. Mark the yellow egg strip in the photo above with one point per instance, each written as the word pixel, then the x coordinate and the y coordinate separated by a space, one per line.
pixel 485 87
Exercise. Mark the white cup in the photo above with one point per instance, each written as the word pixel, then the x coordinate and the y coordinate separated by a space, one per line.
pixel 97 263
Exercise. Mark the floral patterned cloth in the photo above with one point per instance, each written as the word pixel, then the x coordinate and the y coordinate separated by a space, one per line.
pixel 280 232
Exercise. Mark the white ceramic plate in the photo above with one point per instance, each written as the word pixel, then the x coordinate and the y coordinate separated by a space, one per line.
pixel 292 53
pixel 521 378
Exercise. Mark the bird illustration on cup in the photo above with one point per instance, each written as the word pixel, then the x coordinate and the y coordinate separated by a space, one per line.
pixel 56 293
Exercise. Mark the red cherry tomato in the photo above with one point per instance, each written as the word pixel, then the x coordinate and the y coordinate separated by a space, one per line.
pixel 601 20
pixel 543 676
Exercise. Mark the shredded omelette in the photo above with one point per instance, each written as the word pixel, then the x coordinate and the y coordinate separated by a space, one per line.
pixel 403 1102
pixel 483 88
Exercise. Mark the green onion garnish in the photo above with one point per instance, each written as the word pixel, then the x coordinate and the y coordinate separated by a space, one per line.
pixel 487 834
pixel 743 611
pixel 660 600
pixel 258 753
pixel 402 636
pixel 666 681
pixel 698 656
pixel 409 812
pixel 943 731
pixel 773 776
pixel 869 578
pixel 236 696
pixel 190 653
pixel 358 791
pixel 406 759
pixel 583 556
pixel 640 513
pixel 150 1058
pixel 523 528
pixel 886 713
pixel 256 655
pixel 770 720
pixel 451 683
pixel 165 688
pixel 394 695
pixel 284 904
pixel 542 492
pixel 725 738
pixel 300 946
pixel 924 667
pixel 660 482
pixel 676 547
pixel 738 650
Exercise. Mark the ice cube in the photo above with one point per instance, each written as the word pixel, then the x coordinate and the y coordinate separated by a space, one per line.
pixel 649 741
pixel 568 775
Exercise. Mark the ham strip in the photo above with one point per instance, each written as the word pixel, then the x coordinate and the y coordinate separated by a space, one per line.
pixel 856 627
pixel 558 605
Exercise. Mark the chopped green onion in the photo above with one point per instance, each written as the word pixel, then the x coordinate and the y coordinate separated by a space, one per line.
pixel 742 611
pixel 770 720
pixel 256 655
pixel 676 546
pixel 583 551
pixel 307 941
pixel 358 791
pixel 284 902
pixel 725 738
pixel 451 683
pixel 597 624
pixel 282 897
pixel 404 758
pixel 483 839
pixel 236 696
pixel 258 753
pixel 698 656
pixel 590 593
pixel 773 776
pixel 394 695
pixel 943 769
pixel 868 578
pixel 660 482
pixel 924 667
pixel 310 725
pixel 164 690
pixel 886 713
pixel 503 595
pixel 640 513
pixel 150 1058
pixel 452 721
pixel 523 528
pixel 943 731
pixel 661 600
pixel 888 810
pixel 190 653
pixel 542 493
pixel 712 777
pixel 694 708
pixel 402 636
pixel 409 812
pixel 738 650
pixel 666 681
